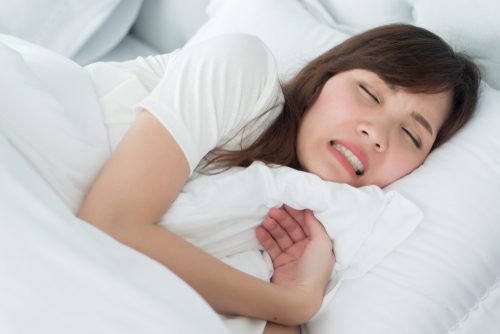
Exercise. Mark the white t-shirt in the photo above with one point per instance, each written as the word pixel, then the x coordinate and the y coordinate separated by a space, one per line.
pixel 203 94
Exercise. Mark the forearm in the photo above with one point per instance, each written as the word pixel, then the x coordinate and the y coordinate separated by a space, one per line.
pixel 226 289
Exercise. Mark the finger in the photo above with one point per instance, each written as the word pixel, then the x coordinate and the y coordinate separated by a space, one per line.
pixel 298 215
pixel 267 241
pixel 288 223
pixel 314 226
pixel 319 233
pixel 278 233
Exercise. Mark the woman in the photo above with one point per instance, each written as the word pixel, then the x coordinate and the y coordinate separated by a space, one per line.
pixel 368 111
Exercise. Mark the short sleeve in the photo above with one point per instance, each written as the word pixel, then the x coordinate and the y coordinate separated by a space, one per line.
pixel 211 90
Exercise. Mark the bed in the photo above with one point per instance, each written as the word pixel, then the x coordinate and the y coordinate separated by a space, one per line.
pixel 59 274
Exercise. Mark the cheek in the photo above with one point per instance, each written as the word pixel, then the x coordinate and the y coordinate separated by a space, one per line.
pixel 338 102
pixel 331 117
pixel 400 165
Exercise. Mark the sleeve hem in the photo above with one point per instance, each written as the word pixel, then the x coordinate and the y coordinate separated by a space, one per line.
pixel 176 129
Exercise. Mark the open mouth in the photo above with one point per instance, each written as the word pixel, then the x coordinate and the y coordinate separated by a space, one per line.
pixel 351 158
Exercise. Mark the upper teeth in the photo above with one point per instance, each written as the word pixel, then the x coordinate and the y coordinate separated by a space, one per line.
pixel 353 160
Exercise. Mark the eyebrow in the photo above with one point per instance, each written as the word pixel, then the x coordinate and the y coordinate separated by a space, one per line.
pixel 422 121
pixel 416 116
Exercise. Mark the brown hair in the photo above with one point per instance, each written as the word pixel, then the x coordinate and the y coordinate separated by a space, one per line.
pixel 405 56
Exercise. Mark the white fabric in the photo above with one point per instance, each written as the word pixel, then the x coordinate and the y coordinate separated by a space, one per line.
pixel 130 47
pixel 51 115
pixel 83 30
pixel 469 26
pixel 291 33
pixel 59 274
pixel 300 34
pixel 110 33
pixel 444 278
pixel 219 213
pixel 167 24
pixel 60 25
pixel 203 95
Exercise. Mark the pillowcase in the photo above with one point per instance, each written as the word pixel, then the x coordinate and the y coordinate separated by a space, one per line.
pixel 444 278
pixel 449 267
pixel 51 115
pixel 279 24
pixel 470 26
pixel 110 33
pixel 83 30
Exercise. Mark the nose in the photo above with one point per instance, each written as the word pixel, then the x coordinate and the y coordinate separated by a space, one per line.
pixel 376 133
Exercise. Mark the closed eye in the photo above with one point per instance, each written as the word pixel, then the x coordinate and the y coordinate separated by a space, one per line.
pixel 363 87
pixel 415 140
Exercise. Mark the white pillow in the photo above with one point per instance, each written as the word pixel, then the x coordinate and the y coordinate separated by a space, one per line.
pixel 51 115
pixel 470 26
pixel 445 276
pixel 290 32
pixel 449 268
pixel 112 31
pixel 65 26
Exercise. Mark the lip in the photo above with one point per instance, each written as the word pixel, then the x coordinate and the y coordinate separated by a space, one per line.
pixel 357 151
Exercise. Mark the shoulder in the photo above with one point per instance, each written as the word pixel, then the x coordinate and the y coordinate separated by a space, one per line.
pixel 242 50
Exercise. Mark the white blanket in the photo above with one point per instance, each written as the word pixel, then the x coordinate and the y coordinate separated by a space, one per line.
pixel 59 274
pixel 220 212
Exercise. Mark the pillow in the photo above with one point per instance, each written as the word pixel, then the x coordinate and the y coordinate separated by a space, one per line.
pixel 449 268
pixel 444 278
pixel 470 26
pixel 279 24
pixel 85 30
pixel 112 31
pixel 51 115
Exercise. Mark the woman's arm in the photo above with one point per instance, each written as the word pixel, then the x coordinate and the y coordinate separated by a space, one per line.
pixel 135 188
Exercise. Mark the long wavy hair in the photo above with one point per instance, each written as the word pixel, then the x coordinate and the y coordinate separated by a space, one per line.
pixel 405 56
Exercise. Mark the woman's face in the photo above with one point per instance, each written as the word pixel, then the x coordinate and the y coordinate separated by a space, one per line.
pixel 361 131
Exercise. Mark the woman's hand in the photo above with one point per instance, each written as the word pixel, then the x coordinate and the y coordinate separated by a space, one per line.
pixel 301 252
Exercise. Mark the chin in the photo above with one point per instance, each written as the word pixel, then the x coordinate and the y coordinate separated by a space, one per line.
pixel 331 178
